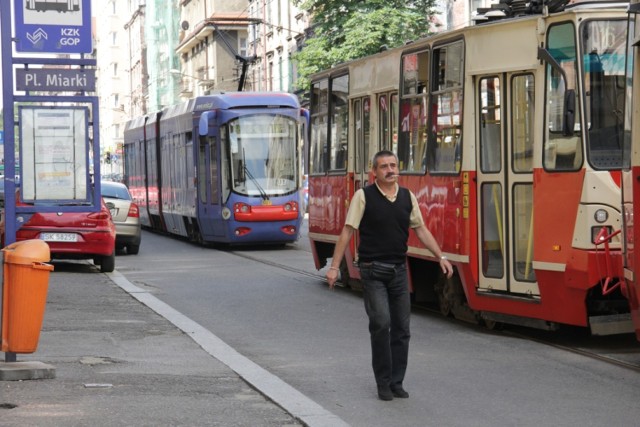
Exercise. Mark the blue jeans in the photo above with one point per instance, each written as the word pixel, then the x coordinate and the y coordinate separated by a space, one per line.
pixel 388 305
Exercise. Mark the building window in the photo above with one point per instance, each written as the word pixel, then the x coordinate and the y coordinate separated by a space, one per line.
pixel 270 76
pixel 242 48
pixel 281 74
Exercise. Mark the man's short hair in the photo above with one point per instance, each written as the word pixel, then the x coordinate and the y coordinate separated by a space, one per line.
pixel 382 153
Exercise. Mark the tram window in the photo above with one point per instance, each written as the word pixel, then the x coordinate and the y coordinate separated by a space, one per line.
pixel 446 109
pixel 412 138
pixel 383 122
pixel 366 133
pixel 388 127
pixel 202 170
pixel 492 239
pixel 412 142
pixel 522 236
pixel 630 89
pixel 490 125
pixel 604 67
pixel 415 72
pixel 179 163
pixel 213 168
pixel 190 172
pixel 225 163
pixel 562 147
pixel 394 122
pixel 357 117
pixel 339 123
pixel 522 121
pixel 318 144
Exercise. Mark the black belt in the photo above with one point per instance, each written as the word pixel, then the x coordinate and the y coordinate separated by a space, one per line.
pixel 369 264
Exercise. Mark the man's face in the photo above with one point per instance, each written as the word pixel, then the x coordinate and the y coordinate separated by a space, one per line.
pixel 386 169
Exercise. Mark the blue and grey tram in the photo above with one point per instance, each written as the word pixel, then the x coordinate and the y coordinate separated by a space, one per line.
pixel 222 168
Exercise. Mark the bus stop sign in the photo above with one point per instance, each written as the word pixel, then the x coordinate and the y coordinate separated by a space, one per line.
pixel 53 26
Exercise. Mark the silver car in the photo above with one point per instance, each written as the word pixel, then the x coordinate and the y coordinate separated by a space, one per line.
pixel 125 214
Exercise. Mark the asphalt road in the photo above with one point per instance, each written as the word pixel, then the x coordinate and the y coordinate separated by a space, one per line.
pixel 316 340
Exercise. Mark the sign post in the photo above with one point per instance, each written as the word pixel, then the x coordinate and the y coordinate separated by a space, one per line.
pixel 57 34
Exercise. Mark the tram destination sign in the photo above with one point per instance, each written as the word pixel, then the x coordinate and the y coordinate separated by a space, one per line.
pixel 56 80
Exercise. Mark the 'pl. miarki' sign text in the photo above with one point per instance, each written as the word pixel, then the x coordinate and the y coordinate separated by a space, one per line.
pixel 55 80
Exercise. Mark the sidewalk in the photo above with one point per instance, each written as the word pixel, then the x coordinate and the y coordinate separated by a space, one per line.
pixel 119 363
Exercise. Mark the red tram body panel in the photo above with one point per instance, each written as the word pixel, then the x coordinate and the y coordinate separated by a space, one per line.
pixel 501 135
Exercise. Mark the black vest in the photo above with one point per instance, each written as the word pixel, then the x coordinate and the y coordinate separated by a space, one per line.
pixel 384 228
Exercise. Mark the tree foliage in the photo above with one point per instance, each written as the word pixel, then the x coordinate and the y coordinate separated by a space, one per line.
pixel 348 29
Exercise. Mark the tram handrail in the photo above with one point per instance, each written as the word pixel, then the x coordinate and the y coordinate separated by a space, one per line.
pixel 604 238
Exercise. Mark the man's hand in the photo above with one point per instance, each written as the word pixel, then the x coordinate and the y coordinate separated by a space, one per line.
pixel 332 277
pixel 446 267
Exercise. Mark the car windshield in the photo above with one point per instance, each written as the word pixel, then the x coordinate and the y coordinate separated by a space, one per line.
pixel 115 192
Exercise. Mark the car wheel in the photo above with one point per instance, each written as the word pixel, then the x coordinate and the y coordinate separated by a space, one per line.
pixel 133 249
pixel 108 263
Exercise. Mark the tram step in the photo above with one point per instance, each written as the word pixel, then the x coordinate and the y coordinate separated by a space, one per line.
pixel 611 324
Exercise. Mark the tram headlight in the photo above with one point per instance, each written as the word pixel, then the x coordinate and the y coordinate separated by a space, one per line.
pixel 291 206
pixel 241 208
pixel 601 216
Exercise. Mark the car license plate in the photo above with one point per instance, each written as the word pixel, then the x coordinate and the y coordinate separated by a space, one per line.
pixel 59 237
pixel 114 212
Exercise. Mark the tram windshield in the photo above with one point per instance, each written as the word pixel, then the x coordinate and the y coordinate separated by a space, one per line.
pixel 604 73
pixel 262 149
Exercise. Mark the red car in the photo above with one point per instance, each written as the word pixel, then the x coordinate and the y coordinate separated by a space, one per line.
pixel 75 235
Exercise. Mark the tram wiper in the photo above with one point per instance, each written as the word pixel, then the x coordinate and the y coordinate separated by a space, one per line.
pixel 253 179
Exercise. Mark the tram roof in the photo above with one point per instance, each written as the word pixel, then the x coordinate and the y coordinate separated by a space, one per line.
pixel 235 100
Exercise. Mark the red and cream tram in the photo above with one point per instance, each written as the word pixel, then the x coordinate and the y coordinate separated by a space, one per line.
pixel 631 167
pixel 509 134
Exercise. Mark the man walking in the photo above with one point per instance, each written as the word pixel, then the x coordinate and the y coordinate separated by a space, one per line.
pixel 383 213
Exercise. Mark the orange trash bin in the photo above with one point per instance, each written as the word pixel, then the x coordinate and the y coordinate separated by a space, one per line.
pixel 24 294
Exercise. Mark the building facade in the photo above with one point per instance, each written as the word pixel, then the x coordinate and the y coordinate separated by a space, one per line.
pixel 112 83
pixel 211 46
pixel 276 32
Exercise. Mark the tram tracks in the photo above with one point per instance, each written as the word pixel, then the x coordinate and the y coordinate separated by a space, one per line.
pixel 604 349
pixel 608 359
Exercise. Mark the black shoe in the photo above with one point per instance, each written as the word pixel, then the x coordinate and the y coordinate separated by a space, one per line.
pixel 384 392
pixel 399 392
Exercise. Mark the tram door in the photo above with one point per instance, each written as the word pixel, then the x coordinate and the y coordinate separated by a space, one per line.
pixel 505 182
